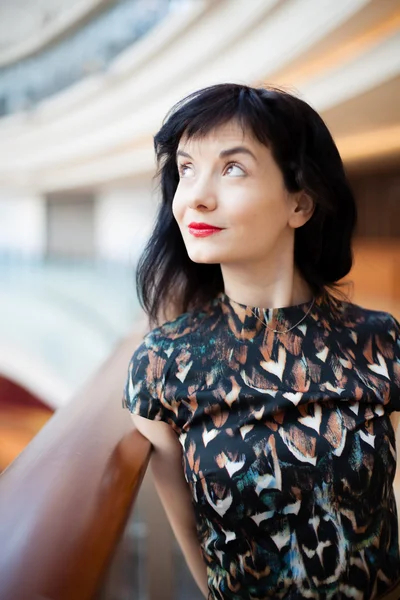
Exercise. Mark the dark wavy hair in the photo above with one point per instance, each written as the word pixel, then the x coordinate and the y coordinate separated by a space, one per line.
pixel 309 160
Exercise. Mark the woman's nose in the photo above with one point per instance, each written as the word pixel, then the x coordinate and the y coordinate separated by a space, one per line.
pixel 202 196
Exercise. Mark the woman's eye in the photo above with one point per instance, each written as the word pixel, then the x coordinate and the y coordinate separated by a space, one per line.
pixel 234 170
pixel 184 170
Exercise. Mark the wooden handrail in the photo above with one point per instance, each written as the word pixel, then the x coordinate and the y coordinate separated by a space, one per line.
pixel 65 500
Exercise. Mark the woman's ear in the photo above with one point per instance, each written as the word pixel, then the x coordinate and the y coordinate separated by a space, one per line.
pixel 302 211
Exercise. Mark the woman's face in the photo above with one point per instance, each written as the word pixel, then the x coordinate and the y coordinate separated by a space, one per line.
pixel 231 203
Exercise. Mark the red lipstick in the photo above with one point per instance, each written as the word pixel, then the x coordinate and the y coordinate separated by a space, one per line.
pixel 202 229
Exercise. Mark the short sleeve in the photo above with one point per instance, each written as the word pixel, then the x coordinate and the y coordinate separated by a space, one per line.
pixel 144 384
pixel 395 333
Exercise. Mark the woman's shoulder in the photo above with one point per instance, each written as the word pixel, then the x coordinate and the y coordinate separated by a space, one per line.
pixel 179 330
pixel 356 316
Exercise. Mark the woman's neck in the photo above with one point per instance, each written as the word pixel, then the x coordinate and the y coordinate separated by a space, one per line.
pixel 284 287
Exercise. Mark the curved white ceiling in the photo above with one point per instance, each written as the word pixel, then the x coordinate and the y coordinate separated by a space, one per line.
pixel 335 54
pixel 27 26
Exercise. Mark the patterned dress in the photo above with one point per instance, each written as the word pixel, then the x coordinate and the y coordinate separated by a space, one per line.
pixel 288 448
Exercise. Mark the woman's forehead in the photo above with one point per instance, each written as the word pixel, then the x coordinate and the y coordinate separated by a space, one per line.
pixel 230 132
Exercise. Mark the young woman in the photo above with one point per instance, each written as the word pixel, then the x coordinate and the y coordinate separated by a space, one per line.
pixel 266 395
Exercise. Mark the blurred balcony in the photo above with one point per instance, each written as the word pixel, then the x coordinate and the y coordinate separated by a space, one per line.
pixel 85 51
pixel 60 320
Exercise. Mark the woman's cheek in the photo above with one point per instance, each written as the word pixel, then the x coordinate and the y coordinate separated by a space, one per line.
pixel 176 211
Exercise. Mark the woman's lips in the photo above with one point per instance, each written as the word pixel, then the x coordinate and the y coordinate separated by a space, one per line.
pixel 202 229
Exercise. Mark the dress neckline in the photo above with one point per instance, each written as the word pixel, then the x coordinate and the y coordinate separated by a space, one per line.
pixel 245 325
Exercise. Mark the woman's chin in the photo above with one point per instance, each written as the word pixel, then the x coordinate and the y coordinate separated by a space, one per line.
pixel 206 258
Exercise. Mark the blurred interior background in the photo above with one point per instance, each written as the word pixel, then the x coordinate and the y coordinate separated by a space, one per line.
pixel 84 85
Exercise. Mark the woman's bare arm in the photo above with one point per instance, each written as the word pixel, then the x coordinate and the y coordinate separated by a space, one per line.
pixel 174 492
pixel 395 417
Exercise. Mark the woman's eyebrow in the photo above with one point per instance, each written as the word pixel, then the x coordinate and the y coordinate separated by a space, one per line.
pixel 223 153
pixel 182 153
pixel 237 150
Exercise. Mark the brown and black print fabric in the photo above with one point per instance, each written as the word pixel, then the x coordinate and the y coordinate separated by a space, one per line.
pixel 287 443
